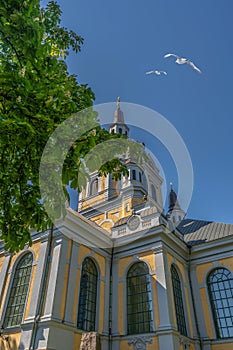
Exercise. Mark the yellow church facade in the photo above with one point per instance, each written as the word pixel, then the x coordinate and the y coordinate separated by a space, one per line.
pixel 119 274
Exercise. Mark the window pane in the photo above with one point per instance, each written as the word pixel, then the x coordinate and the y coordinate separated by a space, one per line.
pixel 19 291
pixel 220 287
pixel 139 299
pixel 178 300
pixel 87 296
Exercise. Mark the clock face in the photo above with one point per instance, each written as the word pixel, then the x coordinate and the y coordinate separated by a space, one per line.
pixel 133 222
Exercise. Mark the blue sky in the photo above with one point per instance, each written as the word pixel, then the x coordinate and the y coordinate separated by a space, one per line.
pixel 124 39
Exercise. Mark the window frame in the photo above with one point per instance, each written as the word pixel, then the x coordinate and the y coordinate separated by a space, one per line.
pixel 134 175
pixel 94 182
pixel 140 177
pixel 9 289
pixel 214 311
pixel 150 302
pixel 96 297
pixel 183 300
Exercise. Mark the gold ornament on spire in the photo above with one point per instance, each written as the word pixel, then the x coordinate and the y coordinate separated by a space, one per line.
pixel 118 102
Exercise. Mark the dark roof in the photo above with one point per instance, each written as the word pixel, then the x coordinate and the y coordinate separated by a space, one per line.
pixel 200 231
pixel 173 201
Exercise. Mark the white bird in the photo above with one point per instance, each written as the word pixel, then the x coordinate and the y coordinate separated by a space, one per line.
pixel 157 72
pixel 182 60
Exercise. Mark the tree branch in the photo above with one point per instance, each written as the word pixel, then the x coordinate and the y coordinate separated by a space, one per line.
pixel 12 46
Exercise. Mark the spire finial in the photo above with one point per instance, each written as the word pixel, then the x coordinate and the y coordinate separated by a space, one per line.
pixel 118 102
pixel 171 186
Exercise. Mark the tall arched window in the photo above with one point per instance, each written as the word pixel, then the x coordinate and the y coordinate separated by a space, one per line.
pixel 19 291
pixel 140 177
pixel 94 186
pixel 139 299
pixel 220 287
pixel 178 300
pixel 134 174
pixel 87 296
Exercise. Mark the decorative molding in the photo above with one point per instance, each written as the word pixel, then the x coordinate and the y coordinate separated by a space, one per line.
pixel 57 241
pixel 185 343
pixel 158 250
pixel 133 222
pixel 26 246
pixel 90 341
pixel 140 342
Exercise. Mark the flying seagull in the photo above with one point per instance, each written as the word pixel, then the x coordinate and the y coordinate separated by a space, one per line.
pixel 157 72
pixel 182 60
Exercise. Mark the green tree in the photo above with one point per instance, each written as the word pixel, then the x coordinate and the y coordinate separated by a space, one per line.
pixel 37 94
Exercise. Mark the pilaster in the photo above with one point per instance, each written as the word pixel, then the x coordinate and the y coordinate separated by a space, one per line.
pixel 162 290
pixel 38 281
pixel 165 330
pixel 115 330
pixel 71 284
pixel 56 279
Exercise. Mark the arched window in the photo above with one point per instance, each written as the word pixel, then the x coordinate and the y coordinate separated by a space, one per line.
pixel 134 174
pixel 140 177
pixel 178 300
pixel 94 186
pixel 139 299
pixel 153 192
pixel 19 291
pixel 220 287
pixel 87 296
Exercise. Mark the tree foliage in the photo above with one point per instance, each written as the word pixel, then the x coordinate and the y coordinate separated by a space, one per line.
pixel 37 94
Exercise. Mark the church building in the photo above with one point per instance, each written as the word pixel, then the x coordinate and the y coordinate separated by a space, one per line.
pixel 120 273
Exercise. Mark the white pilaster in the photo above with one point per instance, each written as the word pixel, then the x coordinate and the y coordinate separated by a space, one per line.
pixel 115 298
pixel 56 279
pixel 71 284
pixel 162 290
pixel 38 281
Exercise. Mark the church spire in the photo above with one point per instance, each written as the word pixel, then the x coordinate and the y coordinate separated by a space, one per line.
pixel 118 114
pixel 119 126
pixel 175 213
pixel 173 201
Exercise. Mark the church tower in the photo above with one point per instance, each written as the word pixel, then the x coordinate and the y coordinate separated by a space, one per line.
pixel 106 201
pixel 175 213
pixel 119 126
